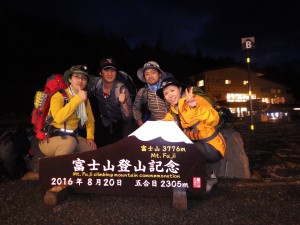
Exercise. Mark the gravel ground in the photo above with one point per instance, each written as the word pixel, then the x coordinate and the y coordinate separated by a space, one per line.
pixel 231 202
pixel 272 196
pixel 273 149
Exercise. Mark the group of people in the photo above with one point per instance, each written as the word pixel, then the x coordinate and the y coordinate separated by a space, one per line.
pixel 102 108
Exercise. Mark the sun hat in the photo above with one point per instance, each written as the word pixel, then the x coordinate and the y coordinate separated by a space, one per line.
pixel 108 63
pixel 150 64
pixel 79 69
pixel 167 82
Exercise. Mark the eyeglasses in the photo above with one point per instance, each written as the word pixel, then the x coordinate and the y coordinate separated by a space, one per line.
pixel 80 67
pixel 78 77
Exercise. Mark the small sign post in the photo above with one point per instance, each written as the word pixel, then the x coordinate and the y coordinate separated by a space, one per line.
pixel 248 43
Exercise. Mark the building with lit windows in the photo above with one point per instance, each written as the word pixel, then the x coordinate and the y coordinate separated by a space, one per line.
pixel 230 86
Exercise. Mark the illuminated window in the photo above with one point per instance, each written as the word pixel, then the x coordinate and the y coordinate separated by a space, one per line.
pixel 266 100
pixel 241 112
pixel 200 83
pixel 276 91
pixel 232 110
pixel 227 81
pixel 238 97
pixel 278 100
pixel 245 82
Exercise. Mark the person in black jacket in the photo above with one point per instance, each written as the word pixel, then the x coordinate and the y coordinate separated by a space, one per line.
pixel 111 104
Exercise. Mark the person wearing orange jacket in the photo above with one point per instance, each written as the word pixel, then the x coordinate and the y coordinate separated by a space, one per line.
pixel 197 118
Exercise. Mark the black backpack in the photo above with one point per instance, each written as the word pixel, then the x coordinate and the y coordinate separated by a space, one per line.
pixel 14 150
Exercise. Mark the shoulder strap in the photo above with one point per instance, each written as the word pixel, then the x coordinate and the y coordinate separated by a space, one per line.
pixel 177 119
pixel 204 140
pixel 49 118
pixel 97 86
pixel 65 95
pixel 145 95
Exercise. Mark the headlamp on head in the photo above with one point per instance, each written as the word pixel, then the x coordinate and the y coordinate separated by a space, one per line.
pixel 83 68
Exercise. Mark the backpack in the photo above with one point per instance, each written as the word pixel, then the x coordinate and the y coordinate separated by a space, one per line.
pixel 226 116
pixel 199 91
pixel 39 117
pixel 124 80
pixel 127 80
pixel 14 152
pixel 203 94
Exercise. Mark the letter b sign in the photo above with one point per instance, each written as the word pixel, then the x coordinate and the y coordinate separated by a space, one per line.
pixel 248 43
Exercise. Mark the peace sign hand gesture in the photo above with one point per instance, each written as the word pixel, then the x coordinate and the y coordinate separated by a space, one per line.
pixel 191 101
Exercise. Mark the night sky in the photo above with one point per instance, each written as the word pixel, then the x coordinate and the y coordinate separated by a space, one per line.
pixel 39 38
pixel 215 27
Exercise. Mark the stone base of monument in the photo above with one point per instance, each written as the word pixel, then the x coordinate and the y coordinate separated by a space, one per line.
pixel 235 163
pixel 56 194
